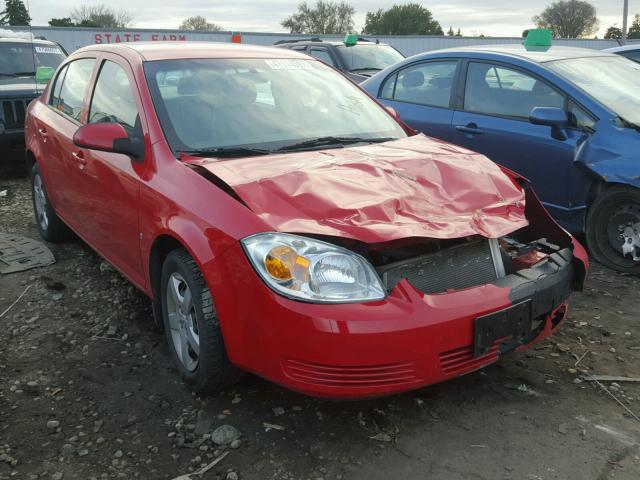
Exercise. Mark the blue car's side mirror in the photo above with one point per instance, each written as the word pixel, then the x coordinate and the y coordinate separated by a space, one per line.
pixel 553 117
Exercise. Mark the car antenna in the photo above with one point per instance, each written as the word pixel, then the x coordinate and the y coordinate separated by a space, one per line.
pixel 33 47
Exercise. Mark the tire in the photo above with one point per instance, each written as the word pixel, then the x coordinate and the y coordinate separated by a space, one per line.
pixel 50 226
pixel 192 328
pixel 612 210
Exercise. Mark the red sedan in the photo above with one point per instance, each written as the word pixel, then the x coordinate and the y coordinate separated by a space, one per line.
pixel 285 224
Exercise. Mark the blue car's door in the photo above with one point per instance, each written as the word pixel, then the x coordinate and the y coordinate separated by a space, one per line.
pixel 421 93
pixel 493 119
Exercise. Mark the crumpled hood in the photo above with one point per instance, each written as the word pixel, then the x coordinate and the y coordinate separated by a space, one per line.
pixel 413 187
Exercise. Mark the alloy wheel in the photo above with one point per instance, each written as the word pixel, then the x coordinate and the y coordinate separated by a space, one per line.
pixel 40 200
pixel 183 321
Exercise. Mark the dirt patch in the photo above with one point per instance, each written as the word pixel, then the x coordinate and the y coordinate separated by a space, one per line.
pixel 87 391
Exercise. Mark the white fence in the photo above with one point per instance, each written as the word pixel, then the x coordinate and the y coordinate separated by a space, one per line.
pixel 72 38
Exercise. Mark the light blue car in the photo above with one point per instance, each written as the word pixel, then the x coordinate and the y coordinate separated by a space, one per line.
pixel 566 118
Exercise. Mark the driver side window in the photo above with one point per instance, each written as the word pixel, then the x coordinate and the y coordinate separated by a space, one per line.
pixel 113 99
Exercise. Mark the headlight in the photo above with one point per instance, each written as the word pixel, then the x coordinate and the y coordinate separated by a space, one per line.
pixel 312 270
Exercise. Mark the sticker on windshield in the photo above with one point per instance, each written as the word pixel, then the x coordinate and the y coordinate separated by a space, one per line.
pixel 52 50
pixel 289 64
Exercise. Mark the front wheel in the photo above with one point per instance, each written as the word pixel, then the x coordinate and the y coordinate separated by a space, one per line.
pixel 613 229
pixel 192 328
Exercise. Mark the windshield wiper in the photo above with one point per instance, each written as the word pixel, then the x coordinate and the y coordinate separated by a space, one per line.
pixel 226 152
pixel 377 69
pixel 332 141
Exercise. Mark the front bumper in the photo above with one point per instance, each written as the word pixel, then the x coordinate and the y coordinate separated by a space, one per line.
pixel 406 341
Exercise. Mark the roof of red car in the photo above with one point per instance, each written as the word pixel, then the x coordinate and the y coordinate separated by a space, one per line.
pixel 175 50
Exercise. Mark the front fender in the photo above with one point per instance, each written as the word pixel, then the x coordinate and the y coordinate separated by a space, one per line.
pixel 612 155
pixel 622 170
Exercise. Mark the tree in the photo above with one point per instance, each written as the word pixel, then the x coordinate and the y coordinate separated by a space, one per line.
pixel 569 19
pixel 450 32
pixel 15 13
pixel 459 33
pixel 199 23
pixel 100 15
pixel 613 32
pixel 325 17
pixel 407 19
pixel 634 30
pixel 61 22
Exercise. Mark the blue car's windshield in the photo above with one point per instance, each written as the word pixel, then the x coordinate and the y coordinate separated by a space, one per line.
pixel 612 81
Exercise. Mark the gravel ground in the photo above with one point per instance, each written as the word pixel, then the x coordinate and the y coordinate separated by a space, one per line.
pixel 87 391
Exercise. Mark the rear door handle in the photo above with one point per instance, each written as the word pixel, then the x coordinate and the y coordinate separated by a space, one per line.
pixel 470 128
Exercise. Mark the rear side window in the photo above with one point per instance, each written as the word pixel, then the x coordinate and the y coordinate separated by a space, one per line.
pixel 74 87
pixel 495 90
pixel 425 84
pixel 113 99
pixel 55 96
pixel 323 55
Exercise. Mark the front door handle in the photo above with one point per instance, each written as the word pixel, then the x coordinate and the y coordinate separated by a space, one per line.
pixel 79 157
pixel 470 128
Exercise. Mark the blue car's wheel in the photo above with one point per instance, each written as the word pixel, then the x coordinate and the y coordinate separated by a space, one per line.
pixel 613 229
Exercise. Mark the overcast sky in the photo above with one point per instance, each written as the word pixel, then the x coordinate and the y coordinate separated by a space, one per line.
pixel 474 17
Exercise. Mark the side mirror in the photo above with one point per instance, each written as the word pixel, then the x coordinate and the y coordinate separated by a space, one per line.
pixel 109 137
pixel 553 117
pixel 44 74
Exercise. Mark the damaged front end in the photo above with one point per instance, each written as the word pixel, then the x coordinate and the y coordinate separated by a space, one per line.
pixel 387 268
pixel 540 265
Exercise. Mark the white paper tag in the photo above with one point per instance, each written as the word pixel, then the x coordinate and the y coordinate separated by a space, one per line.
pixel 289 64
pixel 55 51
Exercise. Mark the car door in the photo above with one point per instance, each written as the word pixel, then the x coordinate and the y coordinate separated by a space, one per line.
pixel 494 120
pixel 110 182
pixel 422 95
pixel 56 126
pixel 51 162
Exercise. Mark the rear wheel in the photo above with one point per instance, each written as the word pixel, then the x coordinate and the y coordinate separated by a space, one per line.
pixel 192 328
pixel 50 226
pixel 613 229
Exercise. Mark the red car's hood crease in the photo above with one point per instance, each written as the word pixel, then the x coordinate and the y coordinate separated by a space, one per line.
pixel 413 187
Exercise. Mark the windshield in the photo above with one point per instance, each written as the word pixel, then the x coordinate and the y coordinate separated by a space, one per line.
pixel 18 59
pixel 206 104
pixel 368 57
pixel 612 81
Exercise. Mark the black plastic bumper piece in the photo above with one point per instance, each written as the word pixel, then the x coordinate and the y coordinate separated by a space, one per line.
pixel 535 293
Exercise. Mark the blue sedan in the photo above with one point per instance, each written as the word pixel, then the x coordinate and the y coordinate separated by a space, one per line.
pixel 568 119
